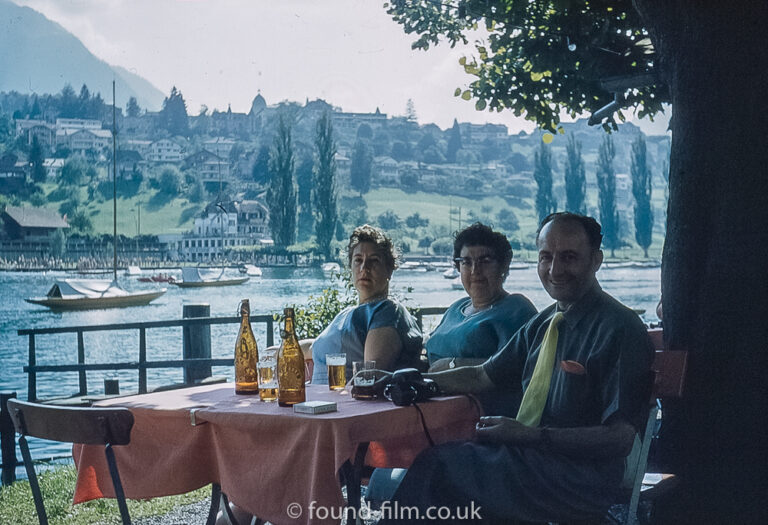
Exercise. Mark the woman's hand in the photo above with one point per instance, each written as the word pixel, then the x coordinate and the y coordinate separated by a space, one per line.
pixel 508 431
pixel 441 364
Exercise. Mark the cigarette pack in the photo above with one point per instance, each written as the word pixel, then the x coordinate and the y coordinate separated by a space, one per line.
pixel 315 407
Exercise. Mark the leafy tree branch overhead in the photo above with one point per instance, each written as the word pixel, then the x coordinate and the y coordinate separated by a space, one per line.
pixel 539 59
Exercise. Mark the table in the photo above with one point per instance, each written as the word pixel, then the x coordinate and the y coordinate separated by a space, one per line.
pixel 265 457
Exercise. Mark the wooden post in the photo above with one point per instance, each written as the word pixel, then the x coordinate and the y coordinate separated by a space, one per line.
pixel 7 440
pixel 32 374
pixel 197 342
pixel 83 382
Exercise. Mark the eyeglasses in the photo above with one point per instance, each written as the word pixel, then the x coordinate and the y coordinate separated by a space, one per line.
pixel 470 262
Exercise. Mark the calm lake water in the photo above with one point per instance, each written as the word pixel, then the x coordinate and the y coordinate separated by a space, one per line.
pixel 636 287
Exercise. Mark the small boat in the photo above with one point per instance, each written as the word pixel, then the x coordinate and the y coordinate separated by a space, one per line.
pixel 249 269
pixel 86 294
pixel 158 278
pixel 331 267
pixel 456 284
pixel 133 270
pixel 199 277
pixel 451 273
pixel 414 266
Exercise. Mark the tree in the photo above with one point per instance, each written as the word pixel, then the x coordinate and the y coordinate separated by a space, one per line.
pixel 326 212
pixel 410 110
pixel 261 166
pixel 401 151
pixel 542 174
pixel 36 159
pixel 68 102
pixel 699 58
pixel 507 220
pixel 575 178
pixel 360 169
pixel 73 171
pixel 454 142
pixel 416 221
pixel 305 182
pixel 84 103
pixel 170 181
pixel 58 243
pixel 641 190
pixel 364 131
pixel 132 109
pixel 174 116
pixel 606 188
pixel 281 193
pixel 389 220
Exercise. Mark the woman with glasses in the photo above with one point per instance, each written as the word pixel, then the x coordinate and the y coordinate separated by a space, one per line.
pixel 475 327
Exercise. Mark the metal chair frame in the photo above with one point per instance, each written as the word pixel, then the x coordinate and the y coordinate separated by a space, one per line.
pixel 89 426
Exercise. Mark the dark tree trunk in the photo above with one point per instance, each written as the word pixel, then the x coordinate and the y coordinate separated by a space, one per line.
pixel 715 263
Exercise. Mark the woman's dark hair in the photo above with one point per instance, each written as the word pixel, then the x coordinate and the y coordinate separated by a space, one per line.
pixel 368 233
pixel 479 234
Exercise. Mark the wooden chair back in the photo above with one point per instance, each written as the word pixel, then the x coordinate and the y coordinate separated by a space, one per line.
pixel 89 426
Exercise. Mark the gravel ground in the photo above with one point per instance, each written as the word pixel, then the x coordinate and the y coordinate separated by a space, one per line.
pixel 197 514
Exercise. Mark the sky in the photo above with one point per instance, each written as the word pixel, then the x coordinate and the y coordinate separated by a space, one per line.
pixel 223 52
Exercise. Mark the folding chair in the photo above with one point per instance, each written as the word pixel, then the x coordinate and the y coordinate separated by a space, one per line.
pixel 89 426
pixel 669 367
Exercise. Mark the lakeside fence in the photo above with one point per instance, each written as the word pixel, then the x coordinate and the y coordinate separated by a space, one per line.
pixel 196 361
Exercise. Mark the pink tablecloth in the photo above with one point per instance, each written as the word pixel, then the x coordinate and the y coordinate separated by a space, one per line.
pixel 264 456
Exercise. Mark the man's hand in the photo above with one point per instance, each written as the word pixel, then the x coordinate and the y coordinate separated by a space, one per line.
pixel 508 431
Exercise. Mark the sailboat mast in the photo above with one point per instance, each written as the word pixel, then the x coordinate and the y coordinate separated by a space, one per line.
pixel 114 185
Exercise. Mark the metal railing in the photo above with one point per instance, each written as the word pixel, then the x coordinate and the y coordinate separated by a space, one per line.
pixel 141 364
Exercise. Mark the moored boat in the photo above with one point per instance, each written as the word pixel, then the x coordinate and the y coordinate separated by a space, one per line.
pixel 199 277
pixel 87 294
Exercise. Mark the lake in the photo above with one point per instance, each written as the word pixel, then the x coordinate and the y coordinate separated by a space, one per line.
pixel 637 287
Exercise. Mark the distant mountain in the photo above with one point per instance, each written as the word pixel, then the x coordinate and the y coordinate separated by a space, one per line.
pixel 40 56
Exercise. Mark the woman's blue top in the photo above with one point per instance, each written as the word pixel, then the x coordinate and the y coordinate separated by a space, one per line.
pixel 347 332
pixel 480 335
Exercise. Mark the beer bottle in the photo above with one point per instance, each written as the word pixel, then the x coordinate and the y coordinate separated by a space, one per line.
pixel 290 365
pixel 246 354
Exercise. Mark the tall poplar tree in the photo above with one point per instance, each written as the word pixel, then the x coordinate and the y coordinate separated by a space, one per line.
pixel 641 190
pixel 575 178
pixel 36 159
pixel 326 213
pixel 281 193
pixel 606 186
pixel 542 173
pixel 454 142
pixel 360 169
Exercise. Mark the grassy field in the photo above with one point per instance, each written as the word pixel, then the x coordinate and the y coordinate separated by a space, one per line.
pixel 57 486
pixel 437 209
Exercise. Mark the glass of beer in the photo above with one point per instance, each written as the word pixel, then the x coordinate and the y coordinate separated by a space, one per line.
pixel 267 369
pixel 364 374
pixel 337 371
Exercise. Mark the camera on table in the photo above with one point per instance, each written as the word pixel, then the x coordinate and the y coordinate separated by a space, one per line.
pixel 407 386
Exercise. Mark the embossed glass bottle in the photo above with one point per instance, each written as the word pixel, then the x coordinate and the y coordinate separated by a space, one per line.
pixel 246 354
pixel 290 365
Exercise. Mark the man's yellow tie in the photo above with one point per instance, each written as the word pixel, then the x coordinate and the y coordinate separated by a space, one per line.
pixel 535 397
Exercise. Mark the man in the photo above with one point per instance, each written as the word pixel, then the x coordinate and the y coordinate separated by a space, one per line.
pixel 563 456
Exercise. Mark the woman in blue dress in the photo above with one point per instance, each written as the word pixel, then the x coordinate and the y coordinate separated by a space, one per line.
pixel 378 328
pixel 476 327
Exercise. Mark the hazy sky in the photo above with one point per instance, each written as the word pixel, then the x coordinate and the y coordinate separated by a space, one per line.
pixel 348 52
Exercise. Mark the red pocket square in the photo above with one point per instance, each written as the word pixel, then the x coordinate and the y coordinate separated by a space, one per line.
pixel 573 367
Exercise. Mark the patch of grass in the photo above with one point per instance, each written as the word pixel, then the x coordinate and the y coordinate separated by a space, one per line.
pixel 57 486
